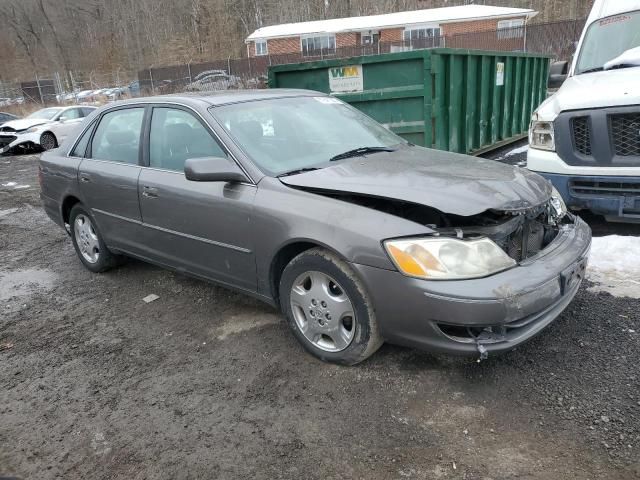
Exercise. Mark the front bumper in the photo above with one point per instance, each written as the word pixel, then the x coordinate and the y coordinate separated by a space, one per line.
pixel 610 191
pixel 8 141
pixel 498 312
pixel 617 198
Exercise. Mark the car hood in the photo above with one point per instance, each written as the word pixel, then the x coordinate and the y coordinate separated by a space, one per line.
pixel 24 123
pixel 614 88
pixel 449 182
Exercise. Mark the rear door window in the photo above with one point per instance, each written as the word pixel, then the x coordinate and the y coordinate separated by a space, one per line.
pixel 117 136
pixel 72 114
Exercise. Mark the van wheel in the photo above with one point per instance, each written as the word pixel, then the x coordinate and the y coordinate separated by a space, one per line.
pixel 328 309
pixel 87 241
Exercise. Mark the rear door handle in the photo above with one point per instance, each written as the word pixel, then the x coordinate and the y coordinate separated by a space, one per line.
pixel 149 192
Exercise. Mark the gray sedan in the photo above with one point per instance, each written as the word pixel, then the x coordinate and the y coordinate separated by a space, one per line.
pixel 300 200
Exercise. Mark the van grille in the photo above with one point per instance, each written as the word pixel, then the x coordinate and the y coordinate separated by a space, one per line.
pixel 597 188
pixel 581 135
pixel 625 134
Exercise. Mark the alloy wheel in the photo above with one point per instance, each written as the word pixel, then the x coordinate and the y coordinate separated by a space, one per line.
pixel 323 311
pixel 48 141
pixel 86 238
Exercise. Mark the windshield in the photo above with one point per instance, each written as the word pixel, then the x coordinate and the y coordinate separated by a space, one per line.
pixel 607 38
pixel 45 113
pixel 286 134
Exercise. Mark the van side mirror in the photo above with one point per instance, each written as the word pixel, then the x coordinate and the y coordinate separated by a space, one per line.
pixel 213 169
pixel 557 74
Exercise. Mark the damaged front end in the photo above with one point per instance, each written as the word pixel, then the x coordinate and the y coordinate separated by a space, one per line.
pixel 519 234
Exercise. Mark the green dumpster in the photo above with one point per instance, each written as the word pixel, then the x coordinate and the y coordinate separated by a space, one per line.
pixel 465 101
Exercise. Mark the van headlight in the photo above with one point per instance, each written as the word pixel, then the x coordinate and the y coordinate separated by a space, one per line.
pixel 541 135
pixel 447 258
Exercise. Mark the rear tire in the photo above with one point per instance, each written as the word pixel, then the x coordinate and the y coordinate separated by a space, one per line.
pixel 87 240
pixel 328 308
pixel 48 141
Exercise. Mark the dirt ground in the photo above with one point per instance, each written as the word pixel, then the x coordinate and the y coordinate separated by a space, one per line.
pixel 207 383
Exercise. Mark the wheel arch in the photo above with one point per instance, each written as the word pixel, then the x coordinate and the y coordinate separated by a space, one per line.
pixel 285 254
pixel 67 204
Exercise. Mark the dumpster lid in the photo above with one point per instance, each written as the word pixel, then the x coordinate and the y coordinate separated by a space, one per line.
pixel 449 182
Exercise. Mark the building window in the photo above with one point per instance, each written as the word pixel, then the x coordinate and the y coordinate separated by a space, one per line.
pixel 371 38
pixel 318 45
pixel 422 37
pixel 510 29
pixel 261 47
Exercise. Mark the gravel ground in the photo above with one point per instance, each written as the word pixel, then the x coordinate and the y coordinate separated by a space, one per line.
pixel 207 383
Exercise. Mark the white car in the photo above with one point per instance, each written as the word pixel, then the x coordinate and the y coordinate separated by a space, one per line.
pixel 213 80
pixel 46 128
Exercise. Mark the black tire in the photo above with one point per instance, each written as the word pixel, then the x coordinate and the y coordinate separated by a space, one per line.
pixel 366 339
pixel 48 141
pixel 105 259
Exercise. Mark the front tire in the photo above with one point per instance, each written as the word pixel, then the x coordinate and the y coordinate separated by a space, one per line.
pixel 88 242
pixel 48 141
pixel 328 309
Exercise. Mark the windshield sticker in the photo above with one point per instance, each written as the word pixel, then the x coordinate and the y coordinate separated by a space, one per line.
pixel 329 100
pixel 615 19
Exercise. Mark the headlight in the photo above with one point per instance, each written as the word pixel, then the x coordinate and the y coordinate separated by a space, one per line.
pixel 557 203
pixel 32 129
pixel 447 258
pixel 541 135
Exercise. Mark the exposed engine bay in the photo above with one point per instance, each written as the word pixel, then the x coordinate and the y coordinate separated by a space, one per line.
pixel 520 233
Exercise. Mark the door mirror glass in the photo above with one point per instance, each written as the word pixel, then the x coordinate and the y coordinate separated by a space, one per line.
pixel 213 169
pixel 558 74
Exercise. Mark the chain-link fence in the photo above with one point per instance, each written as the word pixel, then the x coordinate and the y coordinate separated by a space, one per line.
pixel 557 39
pixel 69 88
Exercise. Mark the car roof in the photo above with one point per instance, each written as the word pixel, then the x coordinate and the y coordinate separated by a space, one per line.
pixel 222 97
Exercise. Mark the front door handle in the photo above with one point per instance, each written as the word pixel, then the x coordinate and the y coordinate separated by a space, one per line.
pixel 85 178
pixel 149 192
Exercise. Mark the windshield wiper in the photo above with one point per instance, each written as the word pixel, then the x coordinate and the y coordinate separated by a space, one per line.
pixel 357 152
pixel 297 171
pixel 591 70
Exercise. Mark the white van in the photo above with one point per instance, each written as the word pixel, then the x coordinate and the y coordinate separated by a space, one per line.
pixel 585 138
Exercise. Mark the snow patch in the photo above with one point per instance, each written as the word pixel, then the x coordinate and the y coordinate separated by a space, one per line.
pixel 7 212
pixel 614 265
pixel 15 185
pixel 517 150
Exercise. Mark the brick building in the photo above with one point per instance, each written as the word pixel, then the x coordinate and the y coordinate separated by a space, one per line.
pixel 436 27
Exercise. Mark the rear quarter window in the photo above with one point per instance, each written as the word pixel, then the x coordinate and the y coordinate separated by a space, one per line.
pixel 80 149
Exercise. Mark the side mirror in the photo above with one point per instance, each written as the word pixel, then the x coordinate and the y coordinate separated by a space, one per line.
pixel 213 169
pixel 62 119
pixel 557 74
